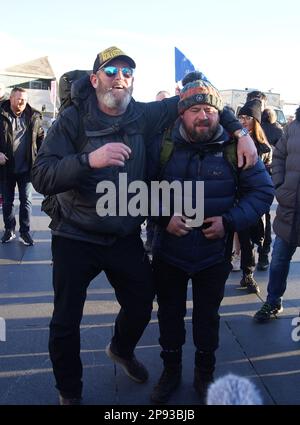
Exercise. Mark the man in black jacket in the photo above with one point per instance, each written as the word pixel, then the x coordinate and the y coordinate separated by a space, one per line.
pixel 21 135
pixel 93 141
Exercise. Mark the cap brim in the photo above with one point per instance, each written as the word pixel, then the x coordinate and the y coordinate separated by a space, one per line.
pixel 127 59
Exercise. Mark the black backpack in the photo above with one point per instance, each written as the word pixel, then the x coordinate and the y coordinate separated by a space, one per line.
pixel 65 84
pixel 50 203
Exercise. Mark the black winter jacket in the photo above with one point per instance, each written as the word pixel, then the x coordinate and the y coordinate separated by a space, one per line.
pixel 34 122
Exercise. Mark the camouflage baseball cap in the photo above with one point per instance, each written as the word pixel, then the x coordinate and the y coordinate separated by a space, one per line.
pixel 108 55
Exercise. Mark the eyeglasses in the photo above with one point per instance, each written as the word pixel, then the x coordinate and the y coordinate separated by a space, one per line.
pixel 245 118
pixel 111 71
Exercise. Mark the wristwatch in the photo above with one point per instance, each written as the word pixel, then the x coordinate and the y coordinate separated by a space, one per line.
pixel 243 132
pixel 84 159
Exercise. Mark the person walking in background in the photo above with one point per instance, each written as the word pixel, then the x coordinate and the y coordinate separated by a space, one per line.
pixel 271 127
pixel 286 178
pixel 162 94
pixel 200 153
pixel 98 137
pixel 290 119
pixel 3 97
pixel 272 131
pixel 250 116
pixel 259 95
pixel 21 135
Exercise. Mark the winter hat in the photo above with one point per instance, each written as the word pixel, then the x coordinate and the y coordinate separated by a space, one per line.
pixel 233 390
pixel 196 90
pixel 108 55
pixel 252 108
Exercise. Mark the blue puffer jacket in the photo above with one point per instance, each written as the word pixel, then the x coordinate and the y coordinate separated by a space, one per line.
pixel 222 184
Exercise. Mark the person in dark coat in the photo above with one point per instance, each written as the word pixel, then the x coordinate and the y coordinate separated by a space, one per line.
pixel 271 127
pixel 185 248
pixel 21 135
pixel 259 234
pixel 286 178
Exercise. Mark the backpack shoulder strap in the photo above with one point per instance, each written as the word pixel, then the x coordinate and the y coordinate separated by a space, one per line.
pixel 230 154
pixel 81 138
pixel 167 148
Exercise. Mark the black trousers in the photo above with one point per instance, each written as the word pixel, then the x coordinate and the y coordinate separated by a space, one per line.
pixel 208 291
pixel 75 264
pixel 266 247
pixel 247 251
pixel 247 246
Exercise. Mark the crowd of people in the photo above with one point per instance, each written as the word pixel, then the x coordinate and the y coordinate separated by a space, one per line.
pixel 191 137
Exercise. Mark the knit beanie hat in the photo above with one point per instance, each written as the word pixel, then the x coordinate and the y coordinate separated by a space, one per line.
pixel 252 108
pixel 196 90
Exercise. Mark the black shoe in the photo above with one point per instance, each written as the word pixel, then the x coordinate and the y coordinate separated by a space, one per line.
pixel 201 383
pixel 26 239
pixel 266 312
pixel 250 283
pixel 167 384
pixel 132 367
pixel 263 262
pixel 8 236
pixel 72 401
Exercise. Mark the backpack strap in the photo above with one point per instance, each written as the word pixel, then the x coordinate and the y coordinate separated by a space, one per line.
pixel 230 154
pixel 83 135
pixel 167 148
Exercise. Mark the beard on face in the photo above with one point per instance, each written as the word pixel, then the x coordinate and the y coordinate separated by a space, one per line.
pixel 203 135
pixel 112 101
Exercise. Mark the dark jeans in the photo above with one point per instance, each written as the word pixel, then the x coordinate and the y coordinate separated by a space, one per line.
pixel 279 269
pixel 208 291
pixel 25 196
pixel 75 264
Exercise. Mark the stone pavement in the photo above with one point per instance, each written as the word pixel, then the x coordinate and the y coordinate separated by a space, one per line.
pixel 264 353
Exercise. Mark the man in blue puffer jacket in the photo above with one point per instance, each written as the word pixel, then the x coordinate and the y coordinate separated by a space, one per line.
pixel 233 200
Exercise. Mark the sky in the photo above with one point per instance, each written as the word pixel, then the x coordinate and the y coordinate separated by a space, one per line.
pixel 236 44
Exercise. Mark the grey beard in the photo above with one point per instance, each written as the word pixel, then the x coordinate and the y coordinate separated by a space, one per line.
pixel 111 102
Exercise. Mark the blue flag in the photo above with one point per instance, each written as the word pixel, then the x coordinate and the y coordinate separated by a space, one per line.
pixel 182 65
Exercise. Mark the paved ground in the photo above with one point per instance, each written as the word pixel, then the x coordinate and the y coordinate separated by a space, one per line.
pixel 264 353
